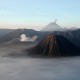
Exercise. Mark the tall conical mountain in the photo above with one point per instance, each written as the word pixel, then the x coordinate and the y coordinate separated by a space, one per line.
pixel 53 26
pixel 55 45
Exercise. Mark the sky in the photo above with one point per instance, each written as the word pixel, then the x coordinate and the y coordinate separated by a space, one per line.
pixel 36 14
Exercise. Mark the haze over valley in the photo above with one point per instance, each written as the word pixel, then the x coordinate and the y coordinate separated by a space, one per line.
pixel 39 39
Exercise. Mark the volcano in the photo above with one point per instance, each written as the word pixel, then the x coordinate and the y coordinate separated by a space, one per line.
pixel 54 46
pixel 18 32
pixel 53 26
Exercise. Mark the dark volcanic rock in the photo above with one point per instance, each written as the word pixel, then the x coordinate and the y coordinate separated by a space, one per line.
pixel 54 46
pixel 72 36
pixel 17 34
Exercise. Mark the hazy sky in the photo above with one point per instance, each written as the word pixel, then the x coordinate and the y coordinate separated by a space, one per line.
pixel 38 13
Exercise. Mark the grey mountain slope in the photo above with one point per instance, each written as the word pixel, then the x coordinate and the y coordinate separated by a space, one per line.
pixel 52 27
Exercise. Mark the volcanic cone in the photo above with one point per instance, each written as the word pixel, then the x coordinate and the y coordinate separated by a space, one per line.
pixel 55 45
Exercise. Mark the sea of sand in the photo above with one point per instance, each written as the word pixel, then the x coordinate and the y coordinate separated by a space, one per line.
pixel 26 68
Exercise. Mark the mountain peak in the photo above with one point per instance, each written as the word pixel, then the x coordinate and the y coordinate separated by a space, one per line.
pixel 53 26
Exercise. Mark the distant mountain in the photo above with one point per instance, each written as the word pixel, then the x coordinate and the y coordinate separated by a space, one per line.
pixel 16 34
pixel 5 31
pixel 72 35
pixel 73 28
pixel 53 26
pixel 55 46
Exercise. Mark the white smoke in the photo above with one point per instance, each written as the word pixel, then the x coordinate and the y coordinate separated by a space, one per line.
pixel 24 38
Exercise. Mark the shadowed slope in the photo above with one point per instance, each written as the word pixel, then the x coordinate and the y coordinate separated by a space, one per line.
pixel 55 45
pixel 66 48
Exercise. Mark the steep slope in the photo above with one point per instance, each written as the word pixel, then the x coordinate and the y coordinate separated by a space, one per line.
pixel 72 35
pixel 55 45
pixel 53 26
